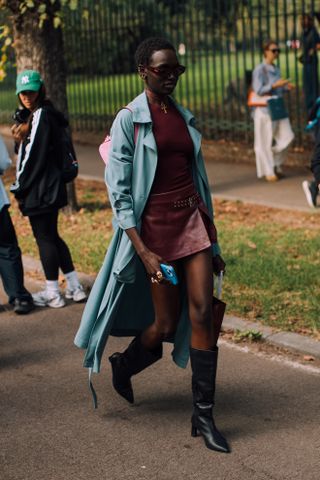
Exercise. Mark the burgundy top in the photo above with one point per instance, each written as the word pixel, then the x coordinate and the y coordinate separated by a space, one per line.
pixel 175 150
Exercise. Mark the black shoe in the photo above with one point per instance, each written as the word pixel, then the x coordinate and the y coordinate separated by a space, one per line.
pixel 22 306
pixel 132 361
pixel 311 192
pixel 204 370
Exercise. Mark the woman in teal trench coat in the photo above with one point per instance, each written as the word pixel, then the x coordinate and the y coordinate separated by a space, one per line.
pixel 130 295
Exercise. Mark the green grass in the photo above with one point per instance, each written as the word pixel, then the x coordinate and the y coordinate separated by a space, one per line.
pixel 273 257
pixel 277 281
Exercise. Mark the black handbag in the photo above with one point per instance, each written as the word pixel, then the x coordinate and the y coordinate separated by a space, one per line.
pixel 277 108
pixel 218 309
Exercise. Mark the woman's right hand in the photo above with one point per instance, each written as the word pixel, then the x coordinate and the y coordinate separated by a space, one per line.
pixel 151 261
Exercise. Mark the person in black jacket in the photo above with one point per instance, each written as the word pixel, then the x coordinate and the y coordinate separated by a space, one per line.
pixel 311 189
pixel 40 189
pixel 310 45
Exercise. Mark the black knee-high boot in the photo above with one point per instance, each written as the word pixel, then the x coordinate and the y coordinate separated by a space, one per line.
pixel 132 361
pixel 204 369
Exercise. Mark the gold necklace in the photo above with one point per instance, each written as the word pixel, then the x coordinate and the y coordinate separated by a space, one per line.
pixel 164 107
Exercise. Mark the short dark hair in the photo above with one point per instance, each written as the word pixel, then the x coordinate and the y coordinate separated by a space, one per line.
pixel 148 47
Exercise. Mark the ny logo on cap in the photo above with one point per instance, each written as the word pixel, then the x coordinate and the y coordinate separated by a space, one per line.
pixel 25 79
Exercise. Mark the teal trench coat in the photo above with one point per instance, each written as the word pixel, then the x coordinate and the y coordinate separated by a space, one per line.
pixel 120 301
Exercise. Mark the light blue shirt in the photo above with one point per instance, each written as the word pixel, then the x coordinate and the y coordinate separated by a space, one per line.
pixel 263 77
pixel 5 162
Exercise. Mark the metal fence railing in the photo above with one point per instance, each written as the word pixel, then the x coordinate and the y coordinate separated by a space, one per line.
pixel 218 41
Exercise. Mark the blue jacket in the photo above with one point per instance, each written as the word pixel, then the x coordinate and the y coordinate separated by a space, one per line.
pixel 120 301
pixel 5 163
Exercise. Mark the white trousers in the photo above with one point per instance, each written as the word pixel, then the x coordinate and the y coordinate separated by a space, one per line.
pixel 271 140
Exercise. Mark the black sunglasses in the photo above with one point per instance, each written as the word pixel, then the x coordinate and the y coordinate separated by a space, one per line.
pixel 274 50
pixel 165 72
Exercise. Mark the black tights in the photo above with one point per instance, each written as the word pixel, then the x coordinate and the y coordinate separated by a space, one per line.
pixel 54 252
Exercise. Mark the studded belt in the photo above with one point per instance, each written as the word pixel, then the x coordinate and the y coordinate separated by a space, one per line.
pixel 187 202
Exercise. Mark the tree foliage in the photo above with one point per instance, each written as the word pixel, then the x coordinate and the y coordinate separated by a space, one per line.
pixel 140 19
pixel 39 13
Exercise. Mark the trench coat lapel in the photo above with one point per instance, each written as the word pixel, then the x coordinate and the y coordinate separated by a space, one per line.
pixel 149 141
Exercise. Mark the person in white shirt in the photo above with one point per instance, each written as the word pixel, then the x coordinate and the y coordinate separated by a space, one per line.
pixel 271 138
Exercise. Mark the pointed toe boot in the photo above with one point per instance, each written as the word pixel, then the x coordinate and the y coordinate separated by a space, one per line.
pixel 132 361
pixel 204 369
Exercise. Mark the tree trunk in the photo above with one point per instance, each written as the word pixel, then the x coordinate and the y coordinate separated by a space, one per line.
pixel 41 48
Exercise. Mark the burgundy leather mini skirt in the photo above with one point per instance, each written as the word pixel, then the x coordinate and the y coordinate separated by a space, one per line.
pixel 177 224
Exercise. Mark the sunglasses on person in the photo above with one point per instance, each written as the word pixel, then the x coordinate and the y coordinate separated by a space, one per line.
pixel 274 50
pixel 165 72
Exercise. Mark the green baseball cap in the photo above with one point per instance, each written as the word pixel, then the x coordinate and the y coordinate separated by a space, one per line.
pixel 28 80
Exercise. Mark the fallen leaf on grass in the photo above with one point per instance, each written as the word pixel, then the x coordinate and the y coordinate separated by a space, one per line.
pixel 230 209
pixel 308 358
pixel 251 245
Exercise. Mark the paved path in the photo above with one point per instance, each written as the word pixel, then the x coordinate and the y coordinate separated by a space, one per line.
pixel 235 181
pixel 269 411
pixel 230 181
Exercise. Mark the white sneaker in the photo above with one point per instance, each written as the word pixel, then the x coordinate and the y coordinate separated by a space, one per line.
pixel 44 299
pixel 311 192
pixel 77 295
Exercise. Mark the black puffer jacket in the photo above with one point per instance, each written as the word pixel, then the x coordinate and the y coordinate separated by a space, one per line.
pixel 39 187
pixel 315 160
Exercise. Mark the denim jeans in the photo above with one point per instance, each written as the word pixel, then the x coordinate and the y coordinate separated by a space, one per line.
pixel 11 269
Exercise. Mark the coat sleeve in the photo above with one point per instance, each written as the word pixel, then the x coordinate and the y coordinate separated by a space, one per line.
pixel 119 169
pixel 33 156
pixel 5 160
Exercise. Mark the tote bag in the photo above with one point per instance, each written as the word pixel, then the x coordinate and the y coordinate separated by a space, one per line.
pixel 277 108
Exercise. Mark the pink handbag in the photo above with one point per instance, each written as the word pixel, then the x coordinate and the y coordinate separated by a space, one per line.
pixel 104 148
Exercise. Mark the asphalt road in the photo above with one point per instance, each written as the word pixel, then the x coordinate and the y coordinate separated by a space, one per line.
pixel 268 410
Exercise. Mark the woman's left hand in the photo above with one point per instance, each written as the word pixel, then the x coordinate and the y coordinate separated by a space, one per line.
pixel 218 264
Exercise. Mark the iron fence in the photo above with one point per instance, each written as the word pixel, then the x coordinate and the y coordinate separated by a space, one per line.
pixel 218 41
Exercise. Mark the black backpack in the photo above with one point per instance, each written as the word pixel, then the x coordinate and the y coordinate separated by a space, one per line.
pixel 69 162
